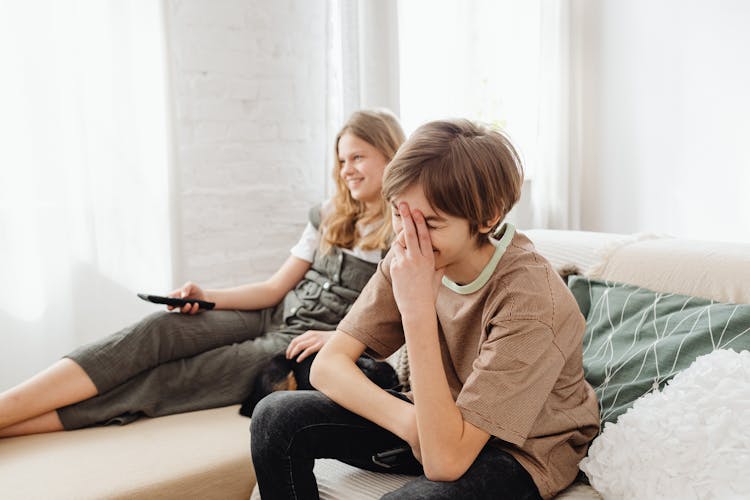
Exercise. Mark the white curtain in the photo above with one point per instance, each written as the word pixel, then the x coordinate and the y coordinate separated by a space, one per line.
pixel 556 189
pixel 363 62
pixel 84 177
pixel 502 62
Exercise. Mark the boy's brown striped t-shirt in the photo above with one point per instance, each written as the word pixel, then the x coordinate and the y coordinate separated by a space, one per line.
pixel 511 348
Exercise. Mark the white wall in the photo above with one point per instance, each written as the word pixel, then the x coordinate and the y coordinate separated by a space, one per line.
pixel 665 116
pixel 248 83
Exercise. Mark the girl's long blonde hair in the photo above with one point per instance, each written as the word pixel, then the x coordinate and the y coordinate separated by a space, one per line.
pixel 381 129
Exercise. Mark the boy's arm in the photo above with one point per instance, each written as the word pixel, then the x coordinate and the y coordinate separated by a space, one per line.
pixel 449 444
pixel 335 374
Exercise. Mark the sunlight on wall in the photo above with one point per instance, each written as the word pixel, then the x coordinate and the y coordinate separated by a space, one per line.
pixel 666 118
pixel 472 59
pixel 22 294
pixel 83 163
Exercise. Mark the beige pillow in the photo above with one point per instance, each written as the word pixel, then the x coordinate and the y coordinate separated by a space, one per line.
pixel 712 270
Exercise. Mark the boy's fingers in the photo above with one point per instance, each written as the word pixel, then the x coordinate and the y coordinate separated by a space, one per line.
pixel 397 249
pixel 399 244
pixel 425 243
pixel 400 239
pixel 410 232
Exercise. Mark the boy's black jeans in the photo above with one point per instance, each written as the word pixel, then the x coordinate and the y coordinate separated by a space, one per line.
pixel 290 429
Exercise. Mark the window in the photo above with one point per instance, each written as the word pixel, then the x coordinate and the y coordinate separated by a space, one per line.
pixel 473 59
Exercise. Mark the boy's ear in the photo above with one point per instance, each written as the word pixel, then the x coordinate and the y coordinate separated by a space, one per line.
pixel 489 225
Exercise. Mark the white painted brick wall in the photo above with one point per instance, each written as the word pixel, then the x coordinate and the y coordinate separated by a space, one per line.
pixel 248 82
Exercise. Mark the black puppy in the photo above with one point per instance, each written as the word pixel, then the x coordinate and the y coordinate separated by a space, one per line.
pixel 281 374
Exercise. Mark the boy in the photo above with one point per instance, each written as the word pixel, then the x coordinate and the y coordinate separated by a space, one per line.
pixel 499 408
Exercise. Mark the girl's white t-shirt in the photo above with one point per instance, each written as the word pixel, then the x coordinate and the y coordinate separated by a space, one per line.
pixel 310 240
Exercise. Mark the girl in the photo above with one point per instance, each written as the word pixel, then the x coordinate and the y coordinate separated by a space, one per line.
pixel 172 363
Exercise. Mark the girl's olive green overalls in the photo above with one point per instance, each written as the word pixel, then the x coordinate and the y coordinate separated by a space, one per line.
pixel 171 363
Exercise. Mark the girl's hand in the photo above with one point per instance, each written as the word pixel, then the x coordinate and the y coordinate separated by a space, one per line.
pixel 188 291
pixel 307 344
pixel 415 280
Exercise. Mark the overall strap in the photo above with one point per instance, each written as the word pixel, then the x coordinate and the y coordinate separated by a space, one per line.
pixel 314 216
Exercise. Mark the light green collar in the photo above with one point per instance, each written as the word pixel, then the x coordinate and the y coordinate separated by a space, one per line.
pixel 500 246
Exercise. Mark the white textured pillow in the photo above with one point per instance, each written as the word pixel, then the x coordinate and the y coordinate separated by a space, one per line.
pixel 582 250
pixel 691 440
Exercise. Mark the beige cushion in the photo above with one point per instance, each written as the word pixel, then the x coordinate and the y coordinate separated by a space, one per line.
pixel 204 454
pixel 712 270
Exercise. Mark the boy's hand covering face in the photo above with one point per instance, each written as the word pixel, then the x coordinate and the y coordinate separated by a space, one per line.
pixel 415 280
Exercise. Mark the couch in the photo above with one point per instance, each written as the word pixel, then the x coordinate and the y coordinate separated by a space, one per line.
pixel 205 454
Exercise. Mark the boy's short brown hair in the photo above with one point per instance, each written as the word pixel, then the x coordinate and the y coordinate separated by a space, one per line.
pixel 465 169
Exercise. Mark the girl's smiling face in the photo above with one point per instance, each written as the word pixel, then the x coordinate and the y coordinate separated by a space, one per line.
pixel 362 166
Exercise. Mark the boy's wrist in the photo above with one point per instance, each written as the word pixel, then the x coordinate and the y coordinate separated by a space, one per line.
pixel 417 310
pixel 422 324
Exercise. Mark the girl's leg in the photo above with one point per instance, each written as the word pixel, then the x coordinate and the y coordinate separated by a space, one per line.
pixel 219 377
pixel 290 429
pixel 104 364
pixel 49 422
pixel 59 385
pixel 495 474
pixel 163 337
